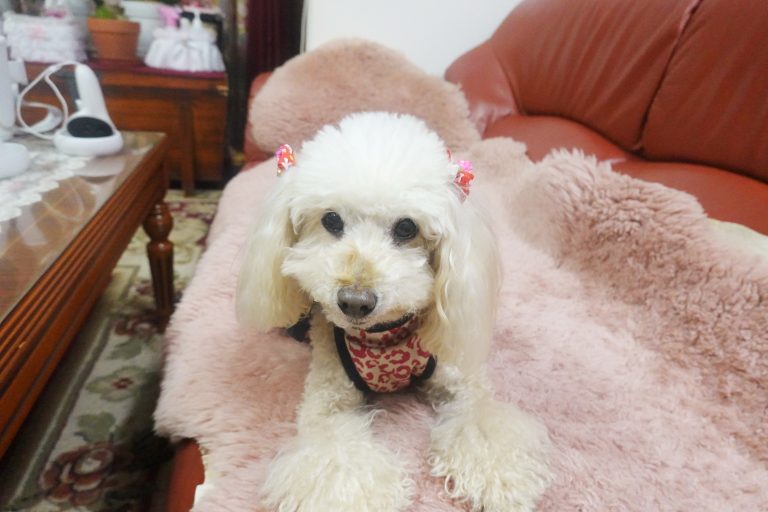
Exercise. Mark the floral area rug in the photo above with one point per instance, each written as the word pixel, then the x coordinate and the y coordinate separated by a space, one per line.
pixel 89 445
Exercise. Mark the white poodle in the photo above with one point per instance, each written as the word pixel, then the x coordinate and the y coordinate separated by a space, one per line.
pixel 369 233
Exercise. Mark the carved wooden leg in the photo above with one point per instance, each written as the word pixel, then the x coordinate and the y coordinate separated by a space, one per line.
pixel 158 225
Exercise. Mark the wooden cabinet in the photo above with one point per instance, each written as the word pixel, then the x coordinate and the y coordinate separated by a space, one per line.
pixel 191 108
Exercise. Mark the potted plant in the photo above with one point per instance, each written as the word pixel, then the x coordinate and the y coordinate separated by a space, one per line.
pixel 114 37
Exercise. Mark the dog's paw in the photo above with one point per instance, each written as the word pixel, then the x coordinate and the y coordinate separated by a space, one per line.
pixel 493 458
pixel 337 468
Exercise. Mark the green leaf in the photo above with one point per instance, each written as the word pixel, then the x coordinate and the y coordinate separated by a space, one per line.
pixel 95 428
pixel 127 350
pixel 106 12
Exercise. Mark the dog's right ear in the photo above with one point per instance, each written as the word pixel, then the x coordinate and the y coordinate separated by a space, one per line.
pixel 265 297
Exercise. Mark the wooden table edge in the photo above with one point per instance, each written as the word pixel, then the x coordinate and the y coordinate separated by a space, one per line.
pixel 43 324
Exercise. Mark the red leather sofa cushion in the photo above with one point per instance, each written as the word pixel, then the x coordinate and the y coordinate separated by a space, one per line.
pixel 543 133
pixel 724 195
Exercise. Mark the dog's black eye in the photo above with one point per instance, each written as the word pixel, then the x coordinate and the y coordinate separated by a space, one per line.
pixel 333 223
pixel 404 230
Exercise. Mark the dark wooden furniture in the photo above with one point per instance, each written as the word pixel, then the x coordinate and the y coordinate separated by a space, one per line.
pixel 191 108
pixel 58 255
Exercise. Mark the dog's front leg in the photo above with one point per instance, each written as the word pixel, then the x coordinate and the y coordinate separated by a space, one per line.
pixel 490 453
pixel 334 463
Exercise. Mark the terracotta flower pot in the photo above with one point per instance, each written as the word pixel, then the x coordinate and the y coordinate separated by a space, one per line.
pixel 114 39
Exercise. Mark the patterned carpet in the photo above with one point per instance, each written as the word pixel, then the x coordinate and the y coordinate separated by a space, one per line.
pixel 88 445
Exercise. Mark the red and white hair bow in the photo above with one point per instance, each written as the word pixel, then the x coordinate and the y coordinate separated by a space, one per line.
pixel 285 158
pixel 464 176
pixel 462 180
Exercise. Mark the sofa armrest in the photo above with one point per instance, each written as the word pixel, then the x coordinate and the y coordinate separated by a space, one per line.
pixel 486 87
pixel 253 153
pixel 186 474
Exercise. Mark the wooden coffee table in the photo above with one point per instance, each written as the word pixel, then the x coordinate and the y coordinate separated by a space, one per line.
pixel 57 254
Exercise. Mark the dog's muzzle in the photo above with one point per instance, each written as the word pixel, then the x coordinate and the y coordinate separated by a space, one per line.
pixel 356 302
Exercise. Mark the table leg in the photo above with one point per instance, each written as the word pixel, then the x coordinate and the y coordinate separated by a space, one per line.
pixel 158 225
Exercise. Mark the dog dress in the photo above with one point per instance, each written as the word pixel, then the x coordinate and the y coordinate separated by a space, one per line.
pixel 386 360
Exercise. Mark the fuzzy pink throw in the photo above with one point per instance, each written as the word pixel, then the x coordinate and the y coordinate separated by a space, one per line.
pixel 350 75
pixel 638 341
pixel 625 326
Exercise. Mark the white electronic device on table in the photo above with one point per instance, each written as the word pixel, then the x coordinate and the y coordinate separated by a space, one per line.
pixel 89 131
pixel 14 158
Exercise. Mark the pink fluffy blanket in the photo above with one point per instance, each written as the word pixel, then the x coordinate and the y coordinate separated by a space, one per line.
pixel 631 331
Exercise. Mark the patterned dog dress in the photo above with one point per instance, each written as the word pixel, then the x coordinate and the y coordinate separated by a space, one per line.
pixel 385 360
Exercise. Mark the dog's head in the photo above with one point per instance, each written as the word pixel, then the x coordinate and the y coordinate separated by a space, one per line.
pixel 370 225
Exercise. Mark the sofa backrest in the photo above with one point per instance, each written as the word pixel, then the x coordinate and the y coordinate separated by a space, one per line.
pixel 593 61
pixel 649 76
pixel 712 106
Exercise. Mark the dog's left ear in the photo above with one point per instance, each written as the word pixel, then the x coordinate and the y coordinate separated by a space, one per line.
pixel 467 281
pixel 265 297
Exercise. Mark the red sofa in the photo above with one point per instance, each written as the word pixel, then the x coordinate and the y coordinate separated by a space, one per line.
pixel 670 91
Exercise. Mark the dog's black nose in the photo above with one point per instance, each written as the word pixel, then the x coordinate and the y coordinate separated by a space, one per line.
pixel 356 302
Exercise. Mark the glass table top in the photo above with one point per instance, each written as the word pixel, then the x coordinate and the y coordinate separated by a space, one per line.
pixel 43 209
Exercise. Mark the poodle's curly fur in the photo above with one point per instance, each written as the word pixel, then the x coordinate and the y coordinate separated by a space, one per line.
pixel 373 170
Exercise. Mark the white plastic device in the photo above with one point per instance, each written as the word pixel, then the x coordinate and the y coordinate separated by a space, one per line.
pixel 14 158
pixel 89 131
